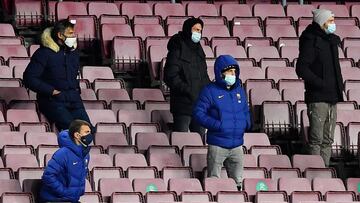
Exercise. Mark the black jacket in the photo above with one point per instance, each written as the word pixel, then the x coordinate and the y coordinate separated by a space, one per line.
pixel 185 73
pixel 318 65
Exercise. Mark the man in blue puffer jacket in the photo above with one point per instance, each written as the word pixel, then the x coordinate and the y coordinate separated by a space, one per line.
pixel 222 108
pixel 64 177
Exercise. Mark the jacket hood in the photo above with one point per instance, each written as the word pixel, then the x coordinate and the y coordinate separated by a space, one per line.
pixel 188 24
pixel 48 41
pixel 64 140
pixel 221 63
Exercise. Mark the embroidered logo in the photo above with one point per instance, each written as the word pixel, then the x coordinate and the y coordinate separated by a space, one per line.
pixel 221 96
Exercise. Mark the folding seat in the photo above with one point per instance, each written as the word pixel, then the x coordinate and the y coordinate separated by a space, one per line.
pixel 257 150
pixel 28 13
pixel 111 128
pixel 17 116
pixel 302 196
pixel 7 51
pixel 6 72
pixel 181 139
pixel 338 10
pixel 277 31
pixel 106 139
pixel 43 150
pixel 100 8
pixel 109 31
pixel 276 20
pixel 337 196
pixel 289 52
pixel 277 73
pixel 115 149
pixel 33 48
pixel 258 41
pixel 29 173
pixel 201 9
pixel 18 61
pixel 277 173
pixel 17 197
pixel 150 106
pixel 144 140
pixel 275 123
pixel 97 116
pixel 271 196
pixel 7 30
pixel 143 94
pixel 88 94
pixel 134 197
pixel 108 186
pixel 100 160
pixel 154 197
pixel 98 173
pixel 214 20
pixel 11 185
pixel 18 71
pixel 235 51
pixel 166 9
pixel 197 161
pixel 147 20
pixel 86 30
pixel 35 138
pixel 94 197
pixel 348 31
pixel 233 10
pixel 116 105
pixel 351 52
pixel 113 19
pixel 17 149
pixel 126 53
pixel 307 161
pixel 258 52
pixel 291 84
pixel 297 11
pixel 273 62
pixel 160 160
pixel 288 42
pixel 252 185
pixel 96 72
pixel 180 185
pixel 251 139
pixel 352 185
pixel 196 196
pixel 5 173
pixel 132 9
pixel 265 10
pixel 351 84
pixel 247 21
pixel 94 104
pixel 171 172
pixel 347 116
pixel 258 84
pixel 127 160
pixel 251 73
pixel 156 54
pixel 351 42
pixel 188 150
pixel 214 185
pixel 141 172
pixel 224 42
pixel 243 31
pixel 311 173
pixel 65 9
pixel 271 161
pixel 324 185
pixel 144 185
pixel 133 116
pixel 293 95
pixel 112 94
pixel 145 30
pixel 15 161
pixel 352 132
pixel 172 29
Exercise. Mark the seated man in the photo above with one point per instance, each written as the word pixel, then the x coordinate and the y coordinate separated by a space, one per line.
pixel 64 177
pixel 222 108
pixel 52 74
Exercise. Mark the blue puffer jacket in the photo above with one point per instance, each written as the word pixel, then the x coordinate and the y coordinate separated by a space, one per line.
pixel 224 112
pixel 65 174
pixel 54 67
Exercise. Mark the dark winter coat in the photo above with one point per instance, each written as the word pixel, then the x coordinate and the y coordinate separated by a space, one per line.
pixel 185 70
pixel 318 65
pixel 224 112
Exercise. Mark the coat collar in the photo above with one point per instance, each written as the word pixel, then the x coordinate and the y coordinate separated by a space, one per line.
pixel 48 41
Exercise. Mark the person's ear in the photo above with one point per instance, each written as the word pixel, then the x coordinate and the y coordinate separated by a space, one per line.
pixel 60 36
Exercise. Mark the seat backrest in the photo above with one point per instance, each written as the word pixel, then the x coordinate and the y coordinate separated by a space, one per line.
pixel 297 11
pixel 210 31
pixel 143 94
pixel 86 27
pixel 252 185
pixel 7 51
pixel 338 10
pixel 265 10
pixel 258 96
pixel 100 160
pixel 180 185
pixel 109 185
pixel 294 184
pixel 269 161
pixel 307 161
pixel 22 115
pixel 214 185
pixel 97 72
pixel 154 197
pixel 328 184
pixel 161 160
pixel 109 31
pixel 134 197
pixel 185 138
pixel 127 160
pixel 97 116
pixel 167 9
pixel 132 9
pixel 141 172
pixel 277 31
pixel 126 48
pixel 15 161
pixel 235 51
pixel 302 196
pixel 251 139
pixel 144 185
pixel 65 9
pixel 352 184
pixel 232 10
pixel 277 73
pixel 143 31
pixel 258 52
pixel 145 140
pixel 99 8
pixel 198 9
pixel 104 172
pixel 133 116
pixel 37 138
pixel 6 30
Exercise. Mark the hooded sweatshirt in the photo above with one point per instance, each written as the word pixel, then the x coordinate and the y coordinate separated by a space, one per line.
pixel 185 69
pixel 223 111
pixel 65 174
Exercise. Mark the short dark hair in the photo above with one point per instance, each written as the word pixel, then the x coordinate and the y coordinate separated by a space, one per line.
pixel 61 26
pixel 75 126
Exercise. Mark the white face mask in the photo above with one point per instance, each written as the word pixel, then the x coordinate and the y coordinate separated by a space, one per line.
pixel 70 41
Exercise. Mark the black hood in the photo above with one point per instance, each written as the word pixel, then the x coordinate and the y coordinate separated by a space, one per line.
pixel 188 24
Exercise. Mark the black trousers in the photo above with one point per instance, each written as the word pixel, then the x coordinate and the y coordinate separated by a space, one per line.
pixel 184 123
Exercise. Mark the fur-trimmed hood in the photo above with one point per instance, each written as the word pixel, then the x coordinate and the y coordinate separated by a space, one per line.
pixel 48 41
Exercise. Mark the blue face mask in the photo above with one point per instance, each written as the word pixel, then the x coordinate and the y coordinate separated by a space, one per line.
pixel 331 28
pixel 230 79
pixel 196 37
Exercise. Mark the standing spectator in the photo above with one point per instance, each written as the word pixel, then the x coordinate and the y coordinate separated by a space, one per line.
pixel 64 177
pixel 52 74
pixel 318 65
pixel 222 108
pixel 186 73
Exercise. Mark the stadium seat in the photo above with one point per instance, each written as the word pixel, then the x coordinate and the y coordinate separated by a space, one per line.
pixel 141 127
pixel 104 116
pixel 96 72
pixel 65 9
pixel 161 160
pixel 277 31
pixel 277 73
pixel 297 11
pixel 307 161
pixel 17 116
pixel 259 52
pixel 176 173
pixel 251 73
pixel 352 185
pixel 35 138
pixel 15 161
pixel 113 94
pixel 233 10
pixel 196 196
pixel 43 150
pixel 311 173
pixel 144 185
pixel 6 72
pixel 301 196
pixel 100 160
pixel 154 197
pixel 126 53
pixel 7 30
pixel 127 160
pixel 257 41
pixel 252 185
pixel 166 9
pixel 106 139
pixel 269 161
pixel 141 172
pixel 272 196
pixel 144 94
pixel 7 40
pixel 277 118
pixel 88 94
pixel 235 51
pixel 201 9
pixel 109 31
pixel 243 31
pixel 99 173
pixel 132 9
pixel 214 185
pixel 133 116
pixel 324 185
pixel 24 173
pixel 94 197
pixel 113 19
pixel 144 140
pixel 100 8
pixel 181 139
pixel 111 128
pixel 108 186
pixel 338 10
pixel 265 10
pixel 7 51
pixel 277 173
pixel 145 30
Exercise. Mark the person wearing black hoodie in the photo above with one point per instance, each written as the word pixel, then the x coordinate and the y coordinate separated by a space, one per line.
pixel 318 65
pixel 186 74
